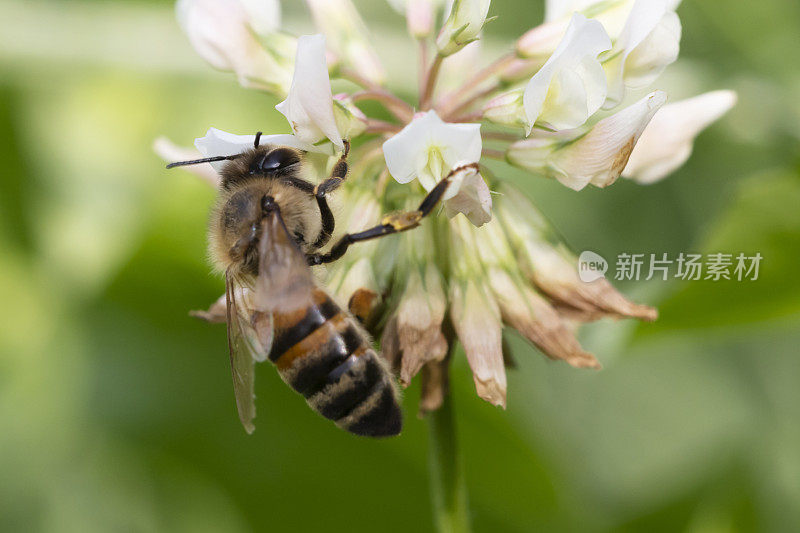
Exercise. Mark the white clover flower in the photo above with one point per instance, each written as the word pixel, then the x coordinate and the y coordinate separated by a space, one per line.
pixel 571 86
pixel 429 147
pixel 568 89
pixel 646 36
pixel 309 105
pixel 647 44
pixel 501 265
pixel 598 157
pixel 666 143
pixel 463 25
pixel 347 37
pixel 225 33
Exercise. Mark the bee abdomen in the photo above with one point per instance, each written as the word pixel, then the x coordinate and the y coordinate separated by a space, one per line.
pixel 323 355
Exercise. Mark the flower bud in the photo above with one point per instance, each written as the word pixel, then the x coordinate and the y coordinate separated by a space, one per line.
pixel 541 41
pixel 507 109
pixel 463 26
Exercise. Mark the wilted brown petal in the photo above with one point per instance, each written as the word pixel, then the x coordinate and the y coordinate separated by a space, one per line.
pixel 216 314
pixel 390 344
pixel 530 314
pixel 434 386
pixel 419 323
pixel 476 319
pixel 554 269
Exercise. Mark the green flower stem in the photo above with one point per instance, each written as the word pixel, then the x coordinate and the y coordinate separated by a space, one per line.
pixel 448 487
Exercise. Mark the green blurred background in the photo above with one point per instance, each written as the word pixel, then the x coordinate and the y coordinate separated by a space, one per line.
pixel 116 408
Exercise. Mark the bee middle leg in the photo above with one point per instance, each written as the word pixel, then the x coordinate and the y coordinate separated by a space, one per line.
pixel 337 177
pixel 392 223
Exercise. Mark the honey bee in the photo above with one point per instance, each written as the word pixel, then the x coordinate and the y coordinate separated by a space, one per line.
pixel 265 231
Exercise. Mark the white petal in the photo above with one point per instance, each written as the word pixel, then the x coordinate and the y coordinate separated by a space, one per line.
pixel 309 106
pixel 217 142
pixel 566 90
pixel 408 152
pixel 170 152
pixel 667 141
pixel 600 156
pixel 264 15
pixel 650 39
pixel 469 194
pixel 659 50
pixel 221 31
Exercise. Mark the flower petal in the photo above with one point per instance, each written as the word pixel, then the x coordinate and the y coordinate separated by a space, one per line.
pixel 667 141
pixel 570 87
pixel 221 31
pixel 648 43
pixel 469 194
pixel 170 152
pixel 428 147
pixel 309 106
pixel 264 15
pixel 600 156
pixel 420 314
pixel 217 142
pixel 553 268
pixel 476 319
pixel 534 318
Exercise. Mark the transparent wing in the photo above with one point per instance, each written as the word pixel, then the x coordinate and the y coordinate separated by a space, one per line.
pixel 249 339
pixel 285 283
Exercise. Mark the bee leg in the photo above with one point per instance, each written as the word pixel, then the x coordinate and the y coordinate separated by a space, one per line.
pixel 338 175
pixel 391 224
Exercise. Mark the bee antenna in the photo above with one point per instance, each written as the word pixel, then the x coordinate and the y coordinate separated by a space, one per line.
pixel 204 160
pixel 258 140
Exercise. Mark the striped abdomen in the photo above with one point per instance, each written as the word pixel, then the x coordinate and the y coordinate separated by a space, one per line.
pixel 323 354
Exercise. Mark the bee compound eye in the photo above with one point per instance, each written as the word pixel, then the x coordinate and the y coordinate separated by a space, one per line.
pixel 276 160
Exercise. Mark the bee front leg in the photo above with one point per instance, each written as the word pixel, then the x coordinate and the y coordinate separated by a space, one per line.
pixel 337 177
pixel 392 223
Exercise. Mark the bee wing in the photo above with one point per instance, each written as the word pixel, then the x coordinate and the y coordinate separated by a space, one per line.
pixel 285 283
pixel 249 340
